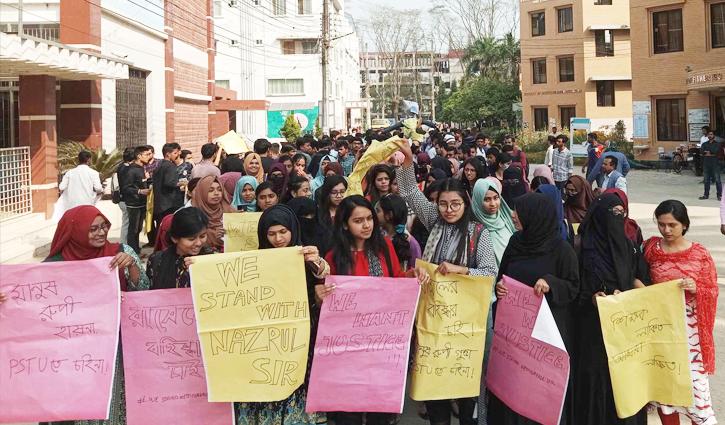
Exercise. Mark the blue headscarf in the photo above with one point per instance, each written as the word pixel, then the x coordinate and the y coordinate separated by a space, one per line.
pixel 552 192
pixel 319 179
pixel 239 187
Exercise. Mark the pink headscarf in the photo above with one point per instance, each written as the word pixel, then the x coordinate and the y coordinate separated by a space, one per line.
pixel 496 182
pixel 544 171
pixel 456 167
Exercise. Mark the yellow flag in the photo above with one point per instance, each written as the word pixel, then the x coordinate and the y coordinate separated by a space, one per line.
pixel 377 152
pixel 410 129
pixel 646 341
pixel 241 231
pixel 149 218
pixel 451 336
pixel 253 323
pixel 232 143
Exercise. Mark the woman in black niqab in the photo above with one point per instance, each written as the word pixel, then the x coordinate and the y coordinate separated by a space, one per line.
pixel 313 233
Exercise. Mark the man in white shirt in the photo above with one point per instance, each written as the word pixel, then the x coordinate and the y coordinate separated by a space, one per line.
pixel 703 139
pixel 549 157
pixel 82 184
pixel 613 179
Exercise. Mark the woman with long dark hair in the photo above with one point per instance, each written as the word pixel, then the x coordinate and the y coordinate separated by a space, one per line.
pixel 458 244
pixel 186 238
pixel 297 187
pixel 537 257
pixel 379 179
pixel 266 196
pixel 417 229
pixel 473 170
pixel 333 191
pixel 300 165
pixel 392 214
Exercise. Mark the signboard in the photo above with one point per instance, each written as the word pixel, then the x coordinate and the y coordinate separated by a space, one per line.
pixel 641 107
pixel 700 116
pixel 695 132
pixel 305 117
pixel 641 126
pixel 357 104
pixel 579 128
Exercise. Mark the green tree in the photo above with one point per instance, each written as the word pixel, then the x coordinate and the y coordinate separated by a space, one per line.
pixel 482 99
pixel 291 129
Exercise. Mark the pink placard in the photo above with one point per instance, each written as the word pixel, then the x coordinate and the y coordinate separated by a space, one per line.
pixel 528 356
pixel 360 358
pixel 58 340
pixel 165 381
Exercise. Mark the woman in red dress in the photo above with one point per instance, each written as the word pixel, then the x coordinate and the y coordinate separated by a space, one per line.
pixel 672 257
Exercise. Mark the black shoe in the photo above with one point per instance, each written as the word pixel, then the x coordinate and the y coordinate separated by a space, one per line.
pixel 704 197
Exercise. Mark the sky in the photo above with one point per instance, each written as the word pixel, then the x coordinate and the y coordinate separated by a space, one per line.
pixel 358 10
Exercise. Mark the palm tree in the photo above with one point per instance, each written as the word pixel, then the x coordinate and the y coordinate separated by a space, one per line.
pixel 509 50
pixel 481 56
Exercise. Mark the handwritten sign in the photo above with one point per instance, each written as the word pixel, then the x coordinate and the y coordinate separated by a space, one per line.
pixel 646 341
pixel 377 152
pixel 232 143
pixel 241 231
pixel 58 341
pixel 363 342
pixel 164 371
pixel 451 336
pixel 253 323
pixel 528 356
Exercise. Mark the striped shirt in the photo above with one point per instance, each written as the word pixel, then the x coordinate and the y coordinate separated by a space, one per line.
pixel 562 164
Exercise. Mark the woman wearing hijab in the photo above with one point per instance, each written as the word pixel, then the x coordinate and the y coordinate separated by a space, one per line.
pixel 82 235
pixel 610 263
pixel 444 165
pixel 631 228
pixel 319 179
pixel 496 215
pixel 422 169
pixel 313 233
pixel 232 170
pixel 279 228
pixel 279 177
pixel 579 195
pixel 554 194
pixel 544 171
pixel 536 256
pixel 245 194
pixel 213 201
pixel 253 166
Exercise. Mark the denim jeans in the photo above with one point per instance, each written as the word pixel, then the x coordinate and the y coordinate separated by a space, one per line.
pixel 712 172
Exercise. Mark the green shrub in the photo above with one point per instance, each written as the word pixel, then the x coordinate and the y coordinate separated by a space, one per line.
pixel 103 162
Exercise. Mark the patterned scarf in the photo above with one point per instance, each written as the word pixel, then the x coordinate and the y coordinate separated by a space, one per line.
pixel 438 250
pixel 375 269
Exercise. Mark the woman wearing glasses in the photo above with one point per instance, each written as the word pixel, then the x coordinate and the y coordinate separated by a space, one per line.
pixel 457 244
pixel 333 191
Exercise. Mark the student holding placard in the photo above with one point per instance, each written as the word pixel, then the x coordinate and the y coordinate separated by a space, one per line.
pixel 212 200
pixel 359 248
pixel 672 257
pixel 279 228
pixel 610 263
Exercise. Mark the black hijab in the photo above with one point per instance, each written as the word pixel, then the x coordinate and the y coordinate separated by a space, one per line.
pixel 537 215
pixel 437 174
pixel 282 215
pixel 605 247
pixel 441 163
pixel 312 232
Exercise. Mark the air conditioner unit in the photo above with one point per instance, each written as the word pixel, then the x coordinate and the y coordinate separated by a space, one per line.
pixel 233 3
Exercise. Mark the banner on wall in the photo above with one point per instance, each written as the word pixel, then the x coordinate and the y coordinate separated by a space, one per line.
pixel 305 117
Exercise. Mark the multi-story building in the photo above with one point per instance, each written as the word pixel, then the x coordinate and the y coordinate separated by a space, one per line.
pixel 678 72
pixel 271 50
pixel 575 62
pixel 413 72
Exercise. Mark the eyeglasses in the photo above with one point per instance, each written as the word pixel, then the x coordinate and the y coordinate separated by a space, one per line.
pixel 571 192
pixel 617 211
pixel 455 207
pixel 337 193
pixel 97 230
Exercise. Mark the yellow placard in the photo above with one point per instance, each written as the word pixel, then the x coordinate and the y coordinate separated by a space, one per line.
pixel 241 231
pixel 575 227
pixel 232 143
pixel 410 129
pixel 377 152
pixel 253 322
pixel 450 336
pixel 646 340
pixel 149 218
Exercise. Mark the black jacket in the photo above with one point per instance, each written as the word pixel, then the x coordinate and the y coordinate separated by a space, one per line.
pixel 166 194
pixel 133 180
pixel 120 176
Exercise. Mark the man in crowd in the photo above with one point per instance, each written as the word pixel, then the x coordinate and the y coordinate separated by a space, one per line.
pixel 518 155
pixel 261 148
pixel 549 156
pixel 304 146
pixel 184 165
pixel 128 157
pixel 705 129
pixel 81 185
pixel 710 165
pixel 594 152
pixel 344 157
pixel 482 144
pixel 134 192
pixel 622 166
pixel 152 164
pixel 356 145
pixel 206 167
pixel 168 196
pixel 613 179
pixel 562 161
pixel 288 149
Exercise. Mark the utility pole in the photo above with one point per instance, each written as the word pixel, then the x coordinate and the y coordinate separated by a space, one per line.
pixel 325 47
pixel 368 118
pixel 432 82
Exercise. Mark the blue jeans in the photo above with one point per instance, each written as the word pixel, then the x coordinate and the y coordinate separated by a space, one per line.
pixel 712 172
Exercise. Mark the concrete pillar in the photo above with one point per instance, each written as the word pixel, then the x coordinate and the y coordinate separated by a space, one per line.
pixel 38 130
pixel 211 83
pixel 169 74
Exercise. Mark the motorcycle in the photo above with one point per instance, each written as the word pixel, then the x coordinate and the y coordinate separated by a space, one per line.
pixel 684 157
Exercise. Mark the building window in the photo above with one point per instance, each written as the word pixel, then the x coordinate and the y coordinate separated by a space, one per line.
pixel 541 119
pixel 539 68
pixel 604 40
pixel 309 47
pixel 222 83
pixel 671 123
pixel 279 7
pixel 567 113
pixel 717 24
pixel 566 69
pixel 288 47
pixel 566 20
pixel 283 86
pixel 217 9
pixel 304 7
pixel 600 2
pixel 605 93
pixel 667 31
pixel 538 24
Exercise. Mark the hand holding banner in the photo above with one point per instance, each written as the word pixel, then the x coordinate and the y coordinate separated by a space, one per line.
pixel 358 327
pixel 450 336
pixel 59 335
pixel 376 152
pixel 646 341
pixel 528 356
pixel 241 231
pixel 253 323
